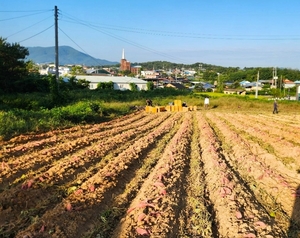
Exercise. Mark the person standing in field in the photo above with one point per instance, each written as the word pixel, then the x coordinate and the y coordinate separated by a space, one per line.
pixel 206 103
pixel 275 107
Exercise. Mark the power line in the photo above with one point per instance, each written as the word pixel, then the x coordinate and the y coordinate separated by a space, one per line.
pixel 76 43
pixel 12 18
pixel 27 27
pixel 36 34
pixel 30 10
pixel 81 22
pixel 187 34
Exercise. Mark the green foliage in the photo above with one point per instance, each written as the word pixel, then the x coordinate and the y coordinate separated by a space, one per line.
pixel 75 70
pixel 12 65
pixel 105 85
pixel 133 87
pixel 73 84
pixel 95 107
pixel 150 86
pixel 126 73
pixel 199 88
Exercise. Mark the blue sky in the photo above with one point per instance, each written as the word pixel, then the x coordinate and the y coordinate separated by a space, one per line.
pixel 237 33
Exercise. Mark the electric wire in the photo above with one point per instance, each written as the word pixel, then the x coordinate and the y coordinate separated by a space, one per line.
pixel 77 44
pixel 12 18
pixel 81 22
pixel 187 34
pixel 37 34
pixel 30 10
pixel 27 27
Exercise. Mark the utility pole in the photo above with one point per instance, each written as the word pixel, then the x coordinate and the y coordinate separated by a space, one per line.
pixel 275 78
pixel 256 91
pixel 56 45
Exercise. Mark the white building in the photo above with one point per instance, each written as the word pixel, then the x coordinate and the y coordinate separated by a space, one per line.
pixel 288 83
pixel 51 70
pixel 120 83
pixel 150 74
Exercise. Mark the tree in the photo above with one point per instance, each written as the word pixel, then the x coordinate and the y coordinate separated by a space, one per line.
pixel 75 70
pixel 105 85
pixel 133 87
pixel 73 83
pixel 150 86
pixel 12 65
pixel 125 72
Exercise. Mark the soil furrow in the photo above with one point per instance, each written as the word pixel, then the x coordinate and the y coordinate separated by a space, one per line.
pixel 85 198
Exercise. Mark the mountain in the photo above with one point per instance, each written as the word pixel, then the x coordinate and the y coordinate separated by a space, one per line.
pixel 66 54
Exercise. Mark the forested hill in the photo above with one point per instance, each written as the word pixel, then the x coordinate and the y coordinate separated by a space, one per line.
pixel 67 55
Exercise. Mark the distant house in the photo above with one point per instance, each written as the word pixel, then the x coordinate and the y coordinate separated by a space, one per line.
pixel 189 72
pixel 265 81
pixel 98 72
pixel 51 69
pixel 120 83
pixel 234 91
pixel 205 85
pixel 253 86
pixel 244 83
pixel 176 86
pixel 288 83
pixel 136 70
pixel 150 74
pixel 208 86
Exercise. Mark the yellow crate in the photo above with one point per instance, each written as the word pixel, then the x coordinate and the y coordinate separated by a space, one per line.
pixel 177 103
pixel 154 110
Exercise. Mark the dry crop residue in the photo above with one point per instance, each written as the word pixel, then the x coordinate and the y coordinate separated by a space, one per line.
pixel 183 174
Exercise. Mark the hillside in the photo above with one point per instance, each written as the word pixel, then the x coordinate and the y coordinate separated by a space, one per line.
pixel 67 55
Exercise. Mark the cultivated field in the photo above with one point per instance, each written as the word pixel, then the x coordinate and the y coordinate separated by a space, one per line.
pixel 184 174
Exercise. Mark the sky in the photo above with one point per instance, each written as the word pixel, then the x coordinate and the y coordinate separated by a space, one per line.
pixel 229 33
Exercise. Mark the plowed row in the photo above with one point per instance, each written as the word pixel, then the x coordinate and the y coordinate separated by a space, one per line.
pixel 192 174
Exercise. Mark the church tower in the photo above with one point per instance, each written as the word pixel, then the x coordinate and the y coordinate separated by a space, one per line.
pixel 125 65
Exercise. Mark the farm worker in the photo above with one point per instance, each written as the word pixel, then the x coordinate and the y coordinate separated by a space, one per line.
pixel 149 102
pixel 206 102
pixel 275 107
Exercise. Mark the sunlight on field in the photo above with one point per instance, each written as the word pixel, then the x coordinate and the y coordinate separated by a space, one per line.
pixel 206 173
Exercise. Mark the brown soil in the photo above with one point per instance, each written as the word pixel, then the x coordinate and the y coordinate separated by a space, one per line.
pixel 184 174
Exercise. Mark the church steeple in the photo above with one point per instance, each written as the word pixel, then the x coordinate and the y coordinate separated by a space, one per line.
pixel 125 65
pixel 123 54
